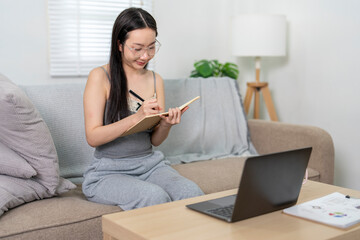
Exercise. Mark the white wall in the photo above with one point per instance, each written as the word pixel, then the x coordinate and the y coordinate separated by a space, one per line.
pixel 23 41
pixel 318 82
pixel 191 30
pixel 315 84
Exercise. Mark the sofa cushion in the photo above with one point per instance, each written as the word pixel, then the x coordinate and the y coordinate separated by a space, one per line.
pixel 24 131
pixel 14 165
pixel 213 127
pixel 220 174
pixel 62 217
pixel 16 191
pixel 214 175
pixel 313 175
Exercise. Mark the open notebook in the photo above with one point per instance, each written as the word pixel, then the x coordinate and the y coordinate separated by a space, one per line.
pixel 151 120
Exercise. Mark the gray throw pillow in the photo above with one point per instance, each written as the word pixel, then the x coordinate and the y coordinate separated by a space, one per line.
pixel 23 130
pixel 13 165
pixel 16 191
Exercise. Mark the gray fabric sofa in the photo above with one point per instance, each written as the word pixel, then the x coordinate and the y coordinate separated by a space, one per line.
pixel 71 216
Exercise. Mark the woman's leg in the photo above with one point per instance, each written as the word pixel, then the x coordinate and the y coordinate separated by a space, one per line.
pixel 177 186
pixel 124 191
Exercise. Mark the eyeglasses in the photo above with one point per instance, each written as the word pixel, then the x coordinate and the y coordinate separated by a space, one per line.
pixel 151 50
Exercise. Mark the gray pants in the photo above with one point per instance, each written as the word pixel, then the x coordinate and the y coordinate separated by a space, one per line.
pixel 136 182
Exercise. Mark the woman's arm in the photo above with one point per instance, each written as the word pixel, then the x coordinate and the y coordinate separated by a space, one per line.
pixel 95 97
pixel 162 130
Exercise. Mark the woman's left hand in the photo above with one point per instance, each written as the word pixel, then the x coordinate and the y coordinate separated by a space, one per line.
pixel 173 118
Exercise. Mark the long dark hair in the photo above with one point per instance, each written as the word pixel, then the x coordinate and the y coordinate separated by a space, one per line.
pixel 128 20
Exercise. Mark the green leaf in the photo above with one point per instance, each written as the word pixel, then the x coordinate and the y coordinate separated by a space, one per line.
pixel 217 67
pixel 230 70
pixel 195 73
pixel 205 68
pixel 215 63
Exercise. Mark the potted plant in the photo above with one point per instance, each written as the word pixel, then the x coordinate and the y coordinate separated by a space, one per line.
pixel 212 68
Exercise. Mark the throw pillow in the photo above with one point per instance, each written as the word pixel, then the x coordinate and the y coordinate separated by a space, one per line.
pixel 16 191
pixel 13 165
pixel 23 130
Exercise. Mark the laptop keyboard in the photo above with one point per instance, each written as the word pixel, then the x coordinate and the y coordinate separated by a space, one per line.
pixel 225 211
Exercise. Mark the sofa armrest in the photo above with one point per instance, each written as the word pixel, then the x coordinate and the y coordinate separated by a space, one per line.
pixel 269 137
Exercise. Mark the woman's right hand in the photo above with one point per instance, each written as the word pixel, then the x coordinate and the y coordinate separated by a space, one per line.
pixel 149 107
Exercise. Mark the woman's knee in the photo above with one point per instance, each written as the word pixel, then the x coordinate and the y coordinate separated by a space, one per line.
pixel 153 195
pixel 192 190
pixel 185 189
pixel 148 196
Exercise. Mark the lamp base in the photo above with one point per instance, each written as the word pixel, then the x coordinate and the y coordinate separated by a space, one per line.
pixel 257 87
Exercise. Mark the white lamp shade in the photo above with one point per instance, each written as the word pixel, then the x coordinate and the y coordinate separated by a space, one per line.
pixel 259 35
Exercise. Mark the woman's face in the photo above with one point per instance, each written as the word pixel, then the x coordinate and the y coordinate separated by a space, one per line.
pixel 139 48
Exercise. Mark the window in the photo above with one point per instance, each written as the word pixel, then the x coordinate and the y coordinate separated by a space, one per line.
pixel 80 33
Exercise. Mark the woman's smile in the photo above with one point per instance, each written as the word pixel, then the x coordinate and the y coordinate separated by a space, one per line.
pixel 141 63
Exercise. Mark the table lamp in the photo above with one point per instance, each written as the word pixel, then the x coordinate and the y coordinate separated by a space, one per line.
pixel 259 36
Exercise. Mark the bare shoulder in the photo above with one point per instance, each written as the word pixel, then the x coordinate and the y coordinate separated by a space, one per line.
pixel 158 77
pixel 97 75
pixel 98 80
pixel 159 80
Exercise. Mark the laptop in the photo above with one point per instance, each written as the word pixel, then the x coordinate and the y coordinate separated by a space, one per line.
pixel 268 183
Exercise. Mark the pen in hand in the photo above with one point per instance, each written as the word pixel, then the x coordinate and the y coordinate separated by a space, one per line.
pixel 135 95
pixel 140 98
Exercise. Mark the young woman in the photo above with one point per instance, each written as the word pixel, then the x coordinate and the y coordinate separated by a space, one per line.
pixel 126 171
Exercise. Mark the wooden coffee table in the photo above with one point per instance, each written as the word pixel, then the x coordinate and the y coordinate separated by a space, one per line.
pixel 172 221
